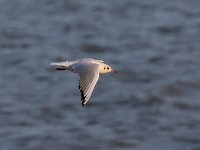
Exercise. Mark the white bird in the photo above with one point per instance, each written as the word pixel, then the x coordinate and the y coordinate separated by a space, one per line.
pixel 88 70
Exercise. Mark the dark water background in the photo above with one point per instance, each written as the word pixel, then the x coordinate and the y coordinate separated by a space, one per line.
pixel 151 104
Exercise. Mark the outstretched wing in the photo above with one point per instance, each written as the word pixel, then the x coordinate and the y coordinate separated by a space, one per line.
pixel 89 75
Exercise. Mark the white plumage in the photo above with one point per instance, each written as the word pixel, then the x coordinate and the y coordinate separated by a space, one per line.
pixel 88 70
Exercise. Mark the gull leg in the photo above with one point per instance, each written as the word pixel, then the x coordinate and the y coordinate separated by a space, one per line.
pixel 61 68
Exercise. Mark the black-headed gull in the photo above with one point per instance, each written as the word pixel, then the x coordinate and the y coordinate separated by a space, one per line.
pixel 88 70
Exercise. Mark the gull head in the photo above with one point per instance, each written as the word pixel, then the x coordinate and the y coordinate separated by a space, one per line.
pixel 104 68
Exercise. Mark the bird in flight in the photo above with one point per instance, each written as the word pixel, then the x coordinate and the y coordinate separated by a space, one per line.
pixel 88 70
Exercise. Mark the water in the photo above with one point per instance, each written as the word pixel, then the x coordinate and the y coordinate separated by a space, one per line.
pixel 152 103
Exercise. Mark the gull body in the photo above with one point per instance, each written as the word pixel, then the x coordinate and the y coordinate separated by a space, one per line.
pixel 88 70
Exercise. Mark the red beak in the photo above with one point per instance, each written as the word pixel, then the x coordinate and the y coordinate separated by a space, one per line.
pixel 114 71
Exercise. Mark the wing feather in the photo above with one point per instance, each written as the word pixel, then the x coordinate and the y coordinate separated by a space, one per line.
pixel 89 75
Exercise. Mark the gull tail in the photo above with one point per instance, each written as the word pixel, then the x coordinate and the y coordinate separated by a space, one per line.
pixel 60 65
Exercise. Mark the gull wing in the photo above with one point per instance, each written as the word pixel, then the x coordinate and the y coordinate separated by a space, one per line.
pixel 89 75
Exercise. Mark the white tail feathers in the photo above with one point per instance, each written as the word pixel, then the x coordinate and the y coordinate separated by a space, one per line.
pixel 60 66
pixel 55 64
pixel 59 63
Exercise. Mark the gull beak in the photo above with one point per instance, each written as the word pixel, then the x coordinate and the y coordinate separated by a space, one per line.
pixel 113 71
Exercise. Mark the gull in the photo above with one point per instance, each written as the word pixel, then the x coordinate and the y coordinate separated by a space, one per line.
pixel 88 70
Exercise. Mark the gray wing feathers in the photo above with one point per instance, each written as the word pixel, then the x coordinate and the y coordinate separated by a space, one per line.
pixel 89 75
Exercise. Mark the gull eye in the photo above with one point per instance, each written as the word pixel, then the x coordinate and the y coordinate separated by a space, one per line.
pixel 108 68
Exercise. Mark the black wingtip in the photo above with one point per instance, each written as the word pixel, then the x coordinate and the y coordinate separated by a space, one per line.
pixel 82 97
pixel 83 104
pixel 79 85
